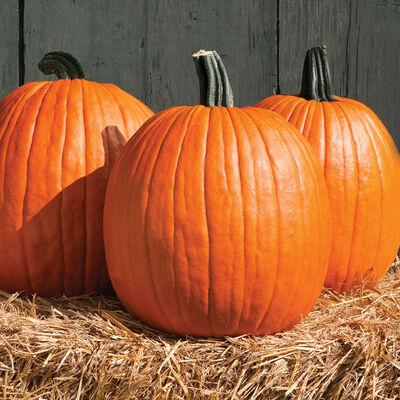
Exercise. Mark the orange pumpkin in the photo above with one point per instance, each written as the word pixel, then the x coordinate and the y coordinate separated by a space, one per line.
pixel 58 141
pixel 362 171
pixel 216 219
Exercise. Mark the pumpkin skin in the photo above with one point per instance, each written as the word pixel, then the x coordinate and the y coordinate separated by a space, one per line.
pixel 58 142
pixel 362 170
pixel 217 222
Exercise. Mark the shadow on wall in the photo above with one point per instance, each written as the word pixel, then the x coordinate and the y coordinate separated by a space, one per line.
pixel 60 250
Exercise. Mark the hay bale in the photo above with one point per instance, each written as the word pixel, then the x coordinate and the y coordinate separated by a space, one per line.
pixel 89 348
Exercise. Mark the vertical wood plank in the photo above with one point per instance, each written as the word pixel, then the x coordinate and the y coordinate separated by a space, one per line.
pixel 9 50
pixel 362 39
pixel 105 36
pixel 242 32
pixel 374 59
pixel 309 23
pixel 145 46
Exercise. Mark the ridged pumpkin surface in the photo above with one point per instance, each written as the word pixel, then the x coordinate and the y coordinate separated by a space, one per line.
pixel 217 222
pixel 362 171
pixel 58 141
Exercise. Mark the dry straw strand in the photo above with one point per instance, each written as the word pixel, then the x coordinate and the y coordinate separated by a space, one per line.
pixel 87 347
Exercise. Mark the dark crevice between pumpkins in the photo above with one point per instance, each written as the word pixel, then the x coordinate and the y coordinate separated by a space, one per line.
pixel 215 89
pixel 63 65
pixel 316 82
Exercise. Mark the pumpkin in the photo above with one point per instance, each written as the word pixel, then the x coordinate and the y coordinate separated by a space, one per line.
pixel 362 171
pixel 216 218
pixel 58 142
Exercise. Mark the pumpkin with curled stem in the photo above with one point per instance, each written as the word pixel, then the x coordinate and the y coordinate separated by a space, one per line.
pixel 58 142
pixel 362 171
pixel 216 219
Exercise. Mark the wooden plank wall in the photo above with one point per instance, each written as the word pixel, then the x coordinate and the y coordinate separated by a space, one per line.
pixel 145 46
pixel 9 46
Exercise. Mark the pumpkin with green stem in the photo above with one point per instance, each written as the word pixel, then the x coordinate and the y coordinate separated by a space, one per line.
pixel 362 171
pixel 216 219
pixel 58 142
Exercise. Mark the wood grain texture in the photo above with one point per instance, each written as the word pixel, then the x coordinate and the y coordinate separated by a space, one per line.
pixel 9 49
pixel 362 39
pixel 308 24
pixel 374 59
pixel 243 33
pixel 107 38
pixel 145 47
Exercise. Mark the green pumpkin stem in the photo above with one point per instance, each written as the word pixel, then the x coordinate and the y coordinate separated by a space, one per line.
pixel 316 83
pixel 63 65
pixel 215 89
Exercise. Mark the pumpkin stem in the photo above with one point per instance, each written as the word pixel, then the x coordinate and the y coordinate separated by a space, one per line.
pixel 316 83
pixel 215 89
pixel 63 65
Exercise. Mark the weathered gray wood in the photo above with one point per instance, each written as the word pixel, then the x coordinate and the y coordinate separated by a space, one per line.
pixel 374 59
pixel 362 37
pixel 105 36
pixel 145 47
pixel 309 23
pixel 9 50
pixel 242 32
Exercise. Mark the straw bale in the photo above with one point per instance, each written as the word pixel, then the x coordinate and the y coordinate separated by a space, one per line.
pixel 86 347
